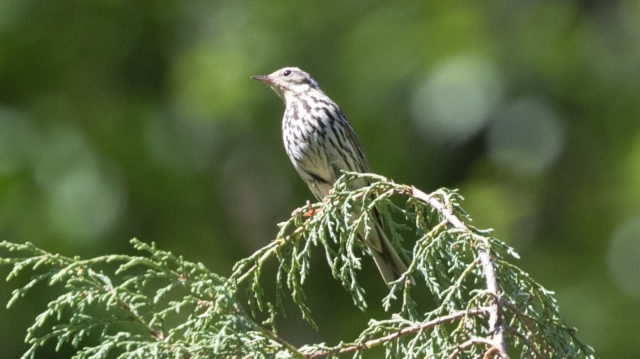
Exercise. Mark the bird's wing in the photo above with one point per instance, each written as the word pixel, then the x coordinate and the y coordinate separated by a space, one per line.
pixel 345 152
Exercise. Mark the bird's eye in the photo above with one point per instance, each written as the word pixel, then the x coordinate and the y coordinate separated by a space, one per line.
pixel 287 72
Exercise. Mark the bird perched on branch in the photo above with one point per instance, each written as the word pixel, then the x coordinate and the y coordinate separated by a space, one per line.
pixel 320 142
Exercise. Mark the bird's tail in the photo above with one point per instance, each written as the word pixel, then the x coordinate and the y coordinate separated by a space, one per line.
pixel 386 258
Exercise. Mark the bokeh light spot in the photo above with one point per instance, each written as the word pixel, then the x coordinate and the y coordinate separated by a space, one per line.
pixel 455 101
pixel 526 137
pixel 83 198
pixel 84 203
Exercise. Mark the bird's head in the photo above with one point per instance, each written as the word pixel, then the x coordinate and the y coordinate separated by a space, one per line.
pixel 289 82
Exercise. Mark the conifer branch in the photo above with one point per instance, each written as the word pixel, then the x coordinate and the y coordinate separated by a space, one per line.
pixel 484 304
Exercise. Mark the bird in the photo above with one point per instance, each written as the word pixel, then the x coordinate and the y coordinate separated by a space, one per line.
pixel 321 143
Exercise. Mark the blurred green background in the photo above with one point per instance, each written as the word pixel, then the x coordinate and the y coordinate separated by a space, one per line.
pixel 123 119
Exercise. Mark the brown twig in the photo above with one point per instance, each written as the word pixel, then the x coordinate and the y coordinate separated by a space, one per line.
pixel 526 340
pixel 290 348
pixel 133 314
pixel 408 330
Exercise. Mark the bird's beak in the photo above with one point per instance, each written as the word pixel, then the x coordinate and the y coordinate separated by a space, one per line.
pixel 264 79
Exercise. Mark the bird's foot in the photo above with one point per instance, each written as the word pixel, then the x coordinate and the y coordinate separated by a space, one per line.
pixel 307 211
pixel 311 212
